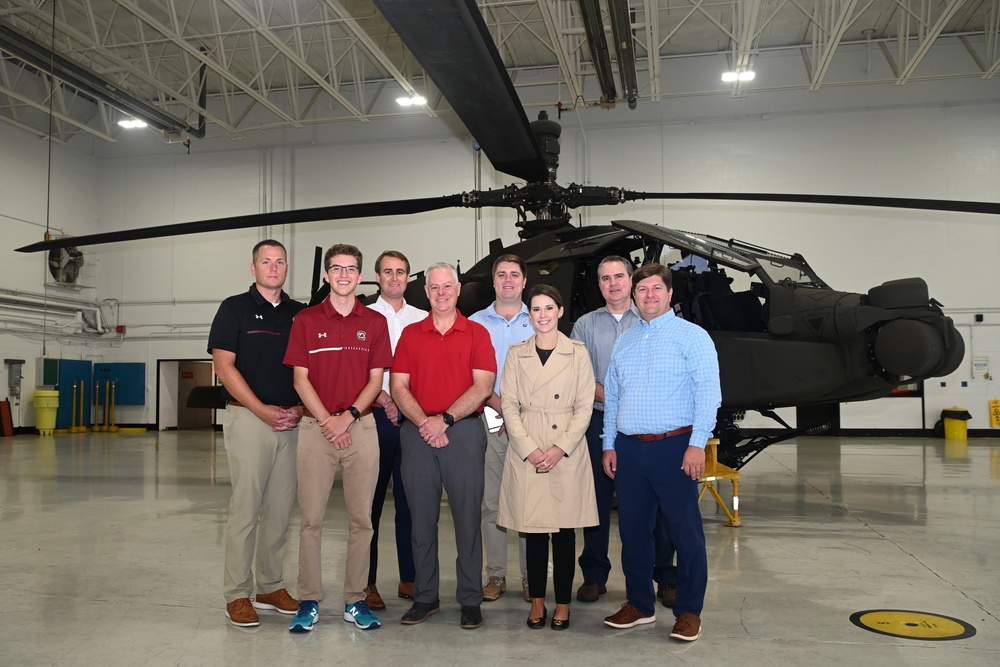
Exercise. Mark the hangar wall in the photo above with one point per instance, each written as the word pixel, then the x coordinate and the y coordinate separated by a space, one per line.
pixel 166 291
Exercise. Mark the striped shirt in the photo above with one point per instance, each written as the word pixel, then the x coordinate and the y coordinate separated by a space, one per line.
pixel 663 375
pixel 598 330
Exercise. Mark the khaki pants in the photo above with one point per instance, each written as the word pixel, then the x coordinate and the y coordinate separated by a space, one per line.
pixel 495 537
pixel 262 473
pixel 317 465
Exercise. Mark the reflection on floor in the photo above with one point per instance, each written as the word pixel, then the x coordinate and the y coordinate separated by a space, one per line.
pixel 110 554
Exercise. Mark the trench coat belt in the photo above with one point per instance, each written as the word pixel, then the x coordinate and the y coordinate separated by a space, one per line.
pixel 306 413
pixel 240 405
pixel 650 437
pixel 548 411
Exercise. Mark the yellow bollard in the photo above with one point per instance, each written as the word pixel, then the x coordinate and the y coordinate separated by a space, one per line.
pixel 111 426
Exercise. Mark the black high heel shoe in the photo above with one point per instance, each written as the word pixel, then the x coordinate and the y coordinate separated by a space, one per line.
pixel 536 623
pixel 559 624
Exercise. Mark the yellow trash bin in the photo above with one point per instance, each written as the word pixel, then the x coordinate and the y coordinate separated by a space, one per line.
pixel 955 427
pixel 46 404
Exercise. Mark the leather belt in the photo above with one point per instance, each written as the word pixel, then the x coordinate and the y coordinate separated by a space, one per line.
pixel 240 405
pixel 651 437
pixel 306 413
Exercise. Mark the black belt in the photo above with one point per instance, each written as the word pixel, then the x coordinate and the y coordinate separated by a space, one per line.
pixel 306 413
pixel 651 437
pixel 471 415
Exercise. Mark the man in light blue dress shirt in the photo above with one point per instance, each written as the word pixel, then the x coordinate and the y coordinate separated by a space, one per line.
pixel 508 322
pixel 661 397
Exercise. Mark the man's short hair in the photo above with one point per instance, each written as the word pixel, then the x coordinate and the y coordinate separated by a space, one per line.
pixel 510 257
pixel 442 265
pixel 269 243
pixel 391 253
pixel 342 249
pixel 650 270
pixel 615 258
pixel 545 290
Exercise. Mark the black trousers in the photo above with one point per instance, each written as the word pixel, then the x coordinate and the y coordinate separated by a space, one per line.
pixel 563 563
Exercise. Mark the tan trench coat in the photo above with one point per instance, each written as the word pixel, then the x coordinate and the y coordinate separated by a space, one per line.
pixel 545 406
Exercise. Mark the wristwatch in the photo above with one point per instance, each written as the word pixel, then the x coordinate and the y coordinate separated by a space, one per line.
pixel 354 412
pixel 448 419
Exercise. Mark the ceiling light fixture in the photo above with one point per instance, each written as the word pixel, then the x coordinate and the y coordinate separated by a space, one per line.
pixel 416 100
pixel 132 123
pixel 729 77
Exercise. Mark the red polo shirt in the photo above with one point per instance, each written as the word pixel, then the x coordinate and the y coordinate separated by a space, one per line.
pixel 339 351
pixel 440 366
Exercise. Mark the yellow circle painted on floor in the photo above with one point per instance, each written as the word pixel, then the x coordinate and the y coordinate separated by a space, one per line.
pixel 909 624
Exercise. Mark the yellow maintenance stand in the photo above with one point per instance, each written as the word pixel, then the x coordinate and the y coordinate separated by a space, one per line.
pixel 715 471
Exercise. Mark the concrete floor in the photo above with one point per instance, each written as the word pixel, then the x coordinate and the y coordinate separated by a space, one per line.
pixel 110 554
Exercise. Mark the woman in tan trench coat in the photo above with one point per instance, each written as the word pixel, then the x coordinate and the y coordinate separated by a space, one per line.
pixel 547 393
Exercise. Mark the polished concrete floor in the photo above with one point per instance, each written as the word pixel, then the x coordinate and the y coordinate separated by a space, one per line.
pixel 110 554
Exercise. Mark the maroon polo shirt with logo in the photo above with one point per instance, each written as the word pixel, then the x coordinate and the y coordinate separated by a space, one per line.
pixel 440 366
pixel 339 351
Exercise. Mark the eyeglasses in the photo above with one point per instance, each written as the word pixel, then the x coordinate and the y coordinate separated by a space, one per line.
pixel 336 268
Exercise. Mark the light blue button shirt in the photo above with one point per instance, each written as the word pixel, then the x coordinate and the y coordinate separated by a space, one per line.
pixel 663 375
pixel 503 334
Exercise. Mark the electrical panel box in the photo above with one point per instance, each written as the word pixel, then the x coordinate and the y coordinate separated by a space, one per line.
pixel 46 372
pixel 131 382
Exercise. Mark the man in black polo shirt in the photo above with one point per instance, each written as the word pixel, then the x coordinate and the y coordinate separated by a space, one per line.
pixel 247 343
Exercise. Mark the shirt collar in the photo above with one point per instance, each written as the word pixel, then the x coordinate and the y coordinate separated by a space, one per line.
pixel 461 322
pixel 491 311
pixel 330 311
pixel 658 322
pixel 259 298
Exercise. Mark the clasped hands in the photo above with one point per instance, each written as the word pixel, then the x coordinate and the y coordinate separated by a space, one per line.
pixel 335 429
pixel 283 419
pixel 432 430
pixel 547 460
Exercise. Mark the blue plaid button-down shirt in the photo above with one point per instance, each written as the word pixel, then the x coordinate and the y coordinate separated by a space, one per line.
pixel 663 375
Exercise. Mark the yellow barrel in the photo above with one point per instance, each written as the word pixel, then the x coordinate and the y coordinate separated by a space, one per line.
pixel 46 405
pixel 955 423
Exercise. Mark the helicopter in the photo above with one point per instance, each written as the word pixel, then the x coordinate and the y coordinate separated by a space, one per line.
pixel 784 337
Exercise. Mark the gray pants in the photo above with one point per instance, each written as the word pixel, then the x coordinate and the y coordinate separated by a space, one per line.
pixel 262 472
pixel 458 469
pixel 495 537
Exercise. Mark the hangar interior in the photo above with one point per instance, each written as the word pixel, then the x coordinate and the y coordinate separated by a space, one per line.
pixel 115 538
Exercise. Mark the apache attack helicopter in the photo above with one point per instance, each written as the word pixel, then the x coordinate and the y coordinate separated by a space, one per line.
pixel 784 337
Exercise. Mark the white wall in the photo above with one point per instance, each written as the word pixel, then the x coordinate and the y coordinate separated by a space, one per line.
pixel 169 289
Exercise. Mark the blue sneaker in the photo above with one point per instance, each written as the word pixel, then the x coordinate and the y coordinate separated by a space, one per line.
pixel 359 614
pixel 306 617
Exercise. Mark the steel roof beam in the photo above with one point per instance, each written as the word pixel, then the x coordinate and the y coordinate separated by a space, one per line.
pixel 928 40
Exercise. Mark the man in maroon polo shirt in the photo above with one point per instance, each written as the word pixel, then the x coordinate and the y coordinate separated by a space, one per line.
pixel 339 350
pixel 442 374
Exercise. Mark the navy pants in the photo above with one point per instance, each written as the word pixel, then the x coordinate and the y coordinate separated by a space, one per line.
pixel 594 562
pixel 390 459
pixel 649 476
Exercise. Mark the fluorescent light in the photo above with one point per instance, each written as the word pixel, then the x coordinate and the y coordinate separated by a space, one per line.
pixel 131 123
pixel 729 77
pixel 747 76
pixel 411 101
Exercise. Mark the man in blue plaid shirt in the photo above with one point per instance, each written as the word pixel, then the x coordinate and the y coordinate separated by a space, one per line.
pixel 661 396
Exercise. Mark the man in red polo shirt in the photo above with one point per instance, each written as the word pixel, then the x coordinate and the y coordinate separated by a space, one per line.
pixel 339 350
pixel 442 373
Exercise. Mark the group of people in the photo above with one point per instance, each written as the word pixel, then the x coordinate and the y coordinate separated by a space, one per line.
pixel 389 392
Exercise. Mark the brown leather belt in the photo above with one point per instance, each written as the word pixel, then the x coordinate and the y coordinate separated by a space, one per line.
pixel 240 405
pixel 651 437
pixel 306 413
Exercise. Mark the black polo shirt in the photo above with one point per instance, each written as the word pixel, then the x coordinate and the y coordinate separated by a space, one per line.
pixel 257 332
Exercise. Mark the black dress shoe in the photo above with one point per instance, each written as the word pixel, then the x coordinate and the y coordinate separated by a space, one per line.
pixel 472 618
pixel 590 591
pixel 536 623
pixel 560 625
pixel 419 612
pixel 666 593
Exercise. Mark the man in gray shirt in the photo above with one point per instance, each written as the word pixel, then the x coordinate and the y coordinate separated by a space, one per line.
pixel 598 330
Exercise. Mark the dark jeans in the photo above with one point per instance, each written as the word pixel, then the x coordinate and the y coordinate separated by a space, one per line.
pixel 390 458
pixel 594 561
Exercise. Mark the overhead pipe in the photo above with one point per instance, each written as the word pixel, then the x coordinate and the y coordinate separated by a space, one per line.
pixel 590 11
pixel 621 30
pixel 46 60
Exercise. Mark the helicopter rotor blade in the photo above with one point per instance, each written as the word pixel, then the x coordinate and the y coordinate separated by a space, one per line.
pixel 991 208
pixel 340 212
pixel 450 40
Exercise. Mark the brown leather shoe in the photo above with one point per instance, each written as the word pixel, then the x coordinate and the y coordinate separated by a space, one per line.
pixel 279 601
pixel 628 617
pixel 240 612
pixel 667 594
pixel 494 588
pixel 405 590
pixel 590 591
pixel 687 628
pixel 373 599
